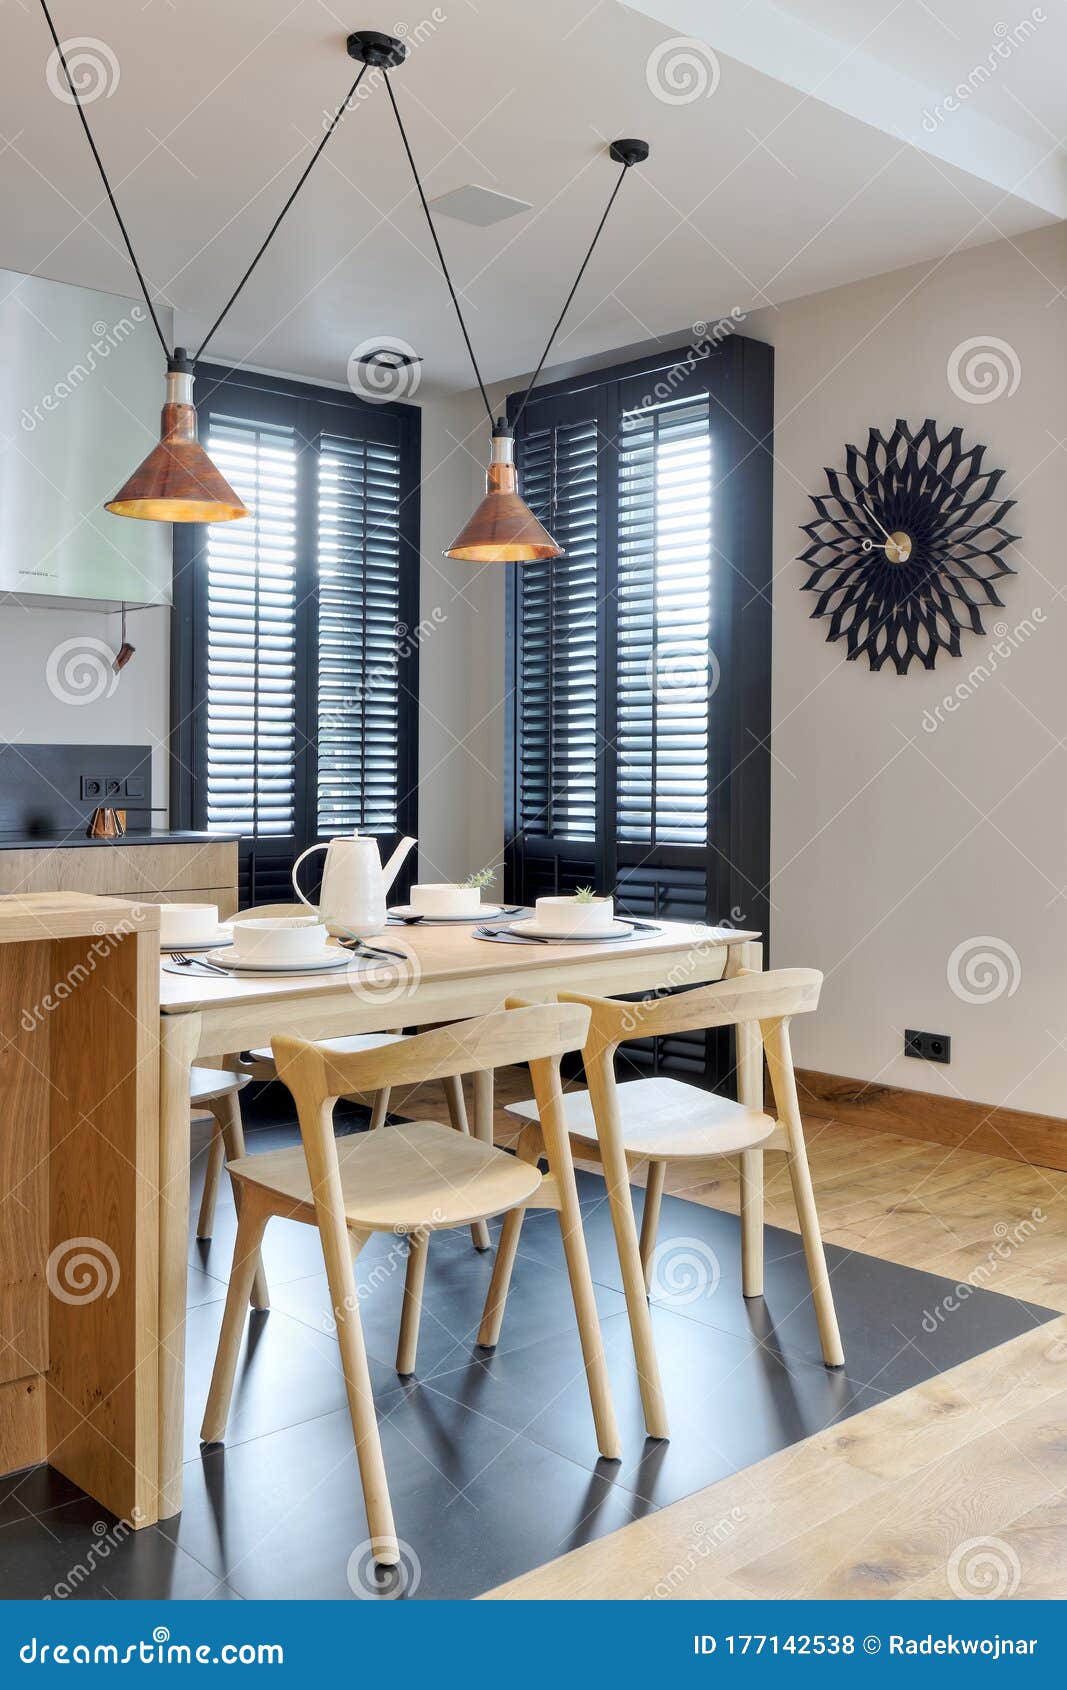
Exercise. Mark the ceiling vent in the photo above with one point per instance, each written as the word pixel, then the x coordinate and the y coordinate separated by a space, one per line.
pixel 480 206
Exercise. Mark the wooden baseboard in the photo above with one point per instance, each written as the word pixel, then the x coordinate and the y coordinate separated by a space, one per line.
pixel 1014 1133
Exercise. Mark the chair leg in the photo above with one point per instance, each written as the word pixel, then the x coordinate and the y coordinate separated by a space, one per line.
pixel 457 1114
pixel 483 1131
pixel 617 1179
pixel 657 1173
pixel 337 1250
pixel 751 1176
pixel 783 1080
pixel 750 1092
pixel 252 1218
pixel 415 1278
pixel 379 1108
pixel 497 1295
pixel 560 1163
pixel 206 1219
pixel 227 1112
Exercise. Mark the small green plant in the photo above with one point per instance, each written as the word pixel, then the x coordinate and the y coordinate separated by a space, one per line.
pixel 584 895
pixel 484 877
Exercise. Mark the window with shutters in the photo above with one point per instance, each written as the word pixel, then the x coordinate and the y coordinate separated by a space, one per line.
pixel 639 676
pixel 294 682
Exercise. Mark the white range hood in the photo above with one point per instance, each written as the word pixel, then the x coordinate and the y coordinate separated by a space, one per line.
pixel 81 386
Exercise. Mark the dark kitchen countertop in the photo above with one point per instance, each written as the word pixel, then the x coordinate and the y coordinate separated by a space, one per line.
pixel 61 841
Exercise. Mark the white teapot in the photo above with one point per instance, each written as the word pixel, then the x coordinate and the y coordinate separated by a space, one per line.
pixel 354 883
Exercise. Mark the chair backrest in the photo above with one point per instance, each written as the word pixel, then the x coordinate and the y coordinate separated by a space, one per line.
pixel 770 996
pixel 266 910
pixel 538 1035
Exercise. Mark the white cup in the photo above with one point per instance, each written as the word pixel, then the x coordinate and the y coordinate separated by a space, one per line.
pixel 279 939
pixel 188 924
pixel 443 898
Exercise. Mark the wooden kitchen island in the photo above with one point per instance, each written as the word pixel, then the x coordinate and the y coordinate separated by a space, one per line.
pixel 79 1007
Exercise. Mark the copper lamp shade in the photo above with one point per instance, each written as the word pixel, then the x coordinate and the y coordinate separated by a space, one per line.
pixel 177 481
pixel 503 529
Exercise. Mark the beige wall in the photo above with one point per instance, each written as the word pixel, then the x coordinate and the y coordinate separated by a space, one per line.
pixel 902 830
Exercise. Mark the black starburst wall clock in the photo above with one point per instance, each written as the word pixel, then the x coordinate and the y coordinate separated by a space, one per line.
pixel 907 545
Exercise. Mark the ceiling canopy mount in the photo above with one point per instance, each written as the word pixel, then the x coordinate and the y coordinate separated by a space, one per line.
pixel 371 47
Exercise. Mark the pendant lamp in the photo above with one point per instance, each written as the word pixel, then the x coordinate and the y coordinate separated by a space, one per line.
pixel 177 481
pixel 503 529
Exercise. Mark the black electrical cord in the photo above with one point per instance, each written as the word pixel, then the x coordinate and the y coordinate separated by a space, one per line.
pixel 437 244
pixel 104 177
pixel 566 303
pixel 335 120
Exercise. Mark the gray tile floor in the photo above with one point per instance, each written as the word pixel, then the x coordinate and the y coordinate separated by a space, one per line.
pixel 492 1461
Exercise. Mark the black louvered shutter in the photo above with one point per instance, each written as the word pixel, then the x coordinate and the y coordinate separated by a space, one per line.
pixel 639 669
pixel 250 730
pixel 359 773
pixel 293 644
pixel 555 843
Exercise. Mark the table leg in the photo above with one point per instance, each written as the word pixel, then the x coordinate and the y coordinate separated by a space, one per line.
pixel 179 1038
pixel 749 956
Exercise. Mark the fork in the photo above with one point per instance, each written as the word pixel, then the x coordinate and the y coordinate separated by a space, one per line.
pixel 184 961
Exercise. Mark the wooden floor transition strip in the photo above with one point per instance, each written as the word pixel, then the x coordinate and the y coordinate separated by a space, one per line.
pixel 953 1489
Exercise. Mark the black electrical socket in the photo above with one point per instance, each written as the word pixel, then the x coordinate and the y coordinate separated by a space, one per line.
pixel 92 787
pixel 928 1047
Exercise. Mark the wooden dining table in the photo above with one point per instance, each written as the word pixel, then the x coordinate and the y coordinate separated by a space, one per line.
pixel 447 974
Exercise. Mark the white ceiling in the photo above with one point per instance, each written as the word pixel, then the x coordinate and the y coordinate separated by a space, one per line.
pixel 807 165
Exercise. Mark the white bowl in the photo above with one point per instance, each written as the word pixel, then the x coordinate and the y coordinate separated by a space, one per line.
pixel 442 898
pixel 269 939
pixel 188 924
pixel 567 915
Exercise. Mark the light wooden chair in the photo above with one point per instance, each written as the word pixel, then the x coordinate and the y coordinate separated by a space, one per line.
pixel 414 1179
pixel 660 1120
pixel 259 1064
pixel 216 1090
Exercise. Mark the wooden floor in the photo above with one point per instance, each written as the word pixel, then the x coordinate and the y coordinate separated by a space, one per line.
pixel 959 1481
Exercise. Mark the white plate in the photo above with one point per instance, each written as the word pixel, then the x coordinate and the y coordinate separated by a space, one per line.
pixel 334 956
pixel 617 930
pixel 222 937
pixel 487 912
